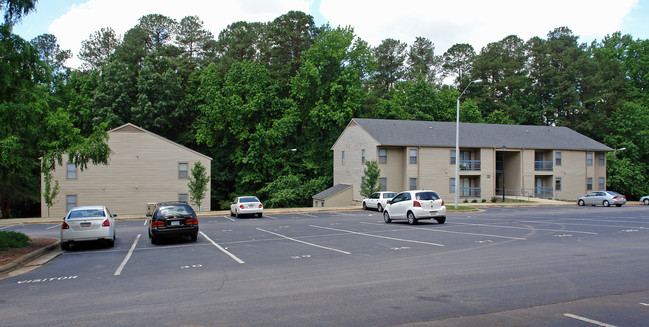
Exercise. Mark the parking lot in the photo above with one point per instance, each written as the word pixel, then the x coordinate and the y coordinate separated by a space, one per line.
pixel 565 266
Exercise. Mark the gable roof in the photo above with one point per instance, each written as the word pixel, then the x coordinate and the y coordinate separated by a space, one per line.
pixel 331 191
pixel 130 128
pixel 442 134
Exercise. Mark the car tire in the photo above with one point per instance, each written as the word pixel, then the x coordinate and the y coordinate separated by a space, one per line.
pixel 110 243
pixel 236 214
pixel 259 215
pixel 364 206
pixel 386 217
pixel 154 240
pixel 618 205
pixel 441 220
pixel 231 213
pixel 65 246
pixel 194 237
pixel 606 203
pixel 646 201
pixel 379 207
pixel 411 218
pixel 581 203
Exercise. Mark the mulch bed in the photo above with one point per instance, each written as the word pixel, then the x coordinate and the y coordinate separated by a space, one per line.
pixel 14 253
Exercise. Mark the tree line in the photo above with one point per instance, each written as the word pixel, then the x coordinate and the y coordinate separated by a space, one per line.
pixel 267 100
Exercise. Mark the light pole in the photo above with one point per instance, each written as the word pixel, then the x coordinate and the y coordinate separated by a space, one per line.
pixel 457 145
pixel 504 148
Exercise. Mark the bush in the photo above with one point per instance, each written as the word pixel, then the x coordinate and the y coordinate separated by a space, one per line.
pixel 465 201
pixel 474 201
pixel 494 199
pixel 483 200
pixel 9 239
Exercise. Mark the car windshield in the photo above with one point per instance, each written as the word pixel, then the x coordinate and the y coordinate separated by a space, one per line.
pixel 174 210
pixel 86 213
pixel 249 199
pixel 612 193
pixel 426 196
pixel 389 195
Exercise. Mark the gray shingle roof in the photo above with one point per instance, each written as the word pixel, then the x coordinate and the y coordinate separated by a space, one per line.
pixel 331 191
pixel 442 134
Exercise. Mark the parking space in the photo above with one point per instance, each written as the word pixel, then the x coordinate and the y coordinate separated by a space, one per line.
pixel 549 253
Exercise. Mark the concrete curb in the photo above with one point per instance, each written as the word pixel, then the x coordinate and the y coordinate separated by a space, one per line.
pixel 29 257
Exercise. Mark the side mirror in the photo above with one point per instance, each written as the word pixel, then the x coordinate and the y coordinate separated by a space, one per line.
pixel 390 202
pixel 149 215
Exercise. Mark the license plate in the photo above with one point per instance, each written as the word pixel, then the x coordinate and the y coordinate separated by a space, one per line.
pixel 175 223
pixel 433 213
pixel 85 224
pixel 251 206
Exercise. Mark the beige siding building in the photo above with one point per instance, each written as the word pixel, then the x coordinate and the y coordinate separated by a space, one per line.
pixel 527 161
pixel 143 168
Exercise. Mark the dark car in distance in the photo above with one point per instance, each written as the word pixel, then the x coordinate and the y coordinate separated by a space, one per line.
pixel 172 219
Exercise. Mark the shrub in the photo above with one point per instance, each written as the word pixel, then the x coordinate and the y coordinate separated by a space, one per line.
pixel 10 239
pixel 483 200
pixel 494 199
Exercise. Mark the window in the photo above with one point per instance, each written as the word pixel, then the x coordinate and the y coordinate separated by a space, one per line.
pixel 182 197
pixel 343 158
pixel 452 157
pixel 383 156
pixel 589 158
pixel 363 156
pixel 557 184
pixel 182 170
pixel 557 156
pixel 589 184
pixel 413 183
pixel 452 185
pixel 71 202
pixel 413 156
pixel 383 182
pixel 602 183
pixel 602 159
pixel 72 170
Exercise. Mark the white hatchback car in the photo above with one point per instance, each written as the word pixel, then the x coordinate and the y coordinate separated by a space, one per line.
pixel 88 224
pixel 414 206
pixel 378 200
pixel 246 205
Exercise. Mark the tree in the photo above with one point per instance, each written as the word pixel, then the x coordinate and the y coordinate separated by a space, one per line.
pixel 50 193
pixel 458 61
pixel 192 37
pixel 422 61
pixel 98 47
pixel 16 9
pixel 50 52
pixel 370 182
pixel 198 184
pixel 161 30
pixel 389 55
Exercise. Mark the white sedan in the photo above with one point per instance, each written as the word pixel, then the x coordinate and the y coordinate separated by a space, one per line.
pixel 378 200
pixel 88 224
pixel 415 205
pixel 246 205
pixel 645 200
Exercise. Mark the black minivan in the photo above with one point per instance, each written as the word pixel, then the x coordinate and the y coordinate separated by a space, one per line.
pixel 173 219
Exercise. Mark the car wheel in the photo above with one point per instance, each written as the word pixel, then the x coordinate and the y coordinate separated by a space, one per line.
pixel 646 201
pixel 441 220
pixel 65 246
pixel 194 237
pixel 259 215
pixel 111 243
pixel 618 205
pixel 379 207
pixel 580 203
pixel 231 213
pixel 411 218
pixel 606 203
pixel 386 217
pixel 154 240
pixel 236 213
pixel 364 206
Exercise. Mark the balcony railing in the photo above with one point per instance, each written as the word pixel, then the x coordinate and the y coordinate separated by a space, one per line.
pixel 469 192
pixel 543 165
pixel 470 165
pixel 543 192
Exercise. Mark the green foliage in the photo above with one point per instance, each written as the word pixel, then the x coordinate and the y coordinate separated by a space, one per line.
pixel 50 193
pixel 198 184
pixel 370 180
pixel 292 191
pixel 11 239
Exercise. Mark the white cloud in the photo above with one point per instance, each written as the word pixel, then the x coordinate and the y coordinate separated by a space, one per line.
pixel 477 22
pixel 83 20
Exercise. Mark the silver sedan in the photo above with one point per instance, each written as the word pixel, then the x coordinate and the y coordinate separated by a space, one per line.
pixel 88 224
pixel 645 200
pixel 605 198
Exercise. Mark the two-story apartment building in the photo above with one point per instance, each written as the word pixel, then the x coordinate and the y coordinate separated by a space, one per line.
pixel 537 161
pixel 143 168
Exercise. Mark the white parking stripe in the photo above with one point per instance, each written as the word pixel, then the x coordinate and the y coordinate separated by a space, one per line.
pixel 590 321
pixel 451 232
pixel 146 222
pixel 222 249
pixel 1 228
pixel 56 225
pixel 377 236
pixel 303 242
pixel 128 256
pixel 527 228
pixel 645 304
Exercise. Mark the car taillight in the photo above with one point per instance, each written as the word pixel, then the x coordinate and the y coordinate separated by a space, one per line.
pixel 416 204
pixel 65 226
pixel 260 206
pixel 106 223
pixel 157 224
pixel 615 197
pixel 192 221
pixel 241 206
pixel 442 202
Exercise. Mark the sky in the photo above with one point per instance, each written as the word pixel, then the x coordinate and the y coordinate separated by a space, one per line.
pixel 445 23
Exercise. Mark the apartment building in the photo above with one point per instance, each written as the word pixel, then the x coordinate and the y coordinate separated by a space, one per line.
pixel 522 161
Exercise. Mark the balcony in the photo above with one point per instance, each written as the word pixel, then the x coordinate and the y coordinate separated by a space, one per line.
pixel 469 192
pixel 543 165
pixel 543 192
pixel 470 165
